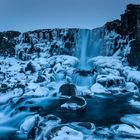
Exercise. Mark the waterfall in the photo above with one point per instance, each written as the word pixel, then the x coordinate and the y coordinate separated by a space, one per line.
pixel 82 43
pixel 89 44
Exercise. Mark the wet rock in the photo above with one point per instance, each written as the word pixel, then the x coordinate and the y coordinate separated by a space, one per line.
pixel 67 90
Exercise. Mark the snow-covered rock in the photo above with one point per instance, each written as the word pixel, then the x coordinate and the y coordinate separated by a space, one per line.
pixel 126 130
pixel 132 75
pixel 110 80
pixel 131 87
pixel 106 62
pixel 67 133
pixel 132 119
pixel 99 89
pixel 28 124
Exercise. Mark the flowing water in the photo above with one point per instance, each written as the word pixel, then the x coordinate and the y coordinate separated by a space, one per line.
pixel 89 44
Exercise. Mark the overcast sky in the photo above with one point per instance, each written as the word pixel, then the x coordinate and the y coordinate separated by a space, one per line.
pixel 24 15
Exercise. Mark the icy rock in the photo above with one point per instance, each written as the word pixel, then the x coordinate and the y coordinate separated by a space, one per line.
pixel 135 103
pixel 106 71
pixel 131 87
pixel 87 93
pixel 67 133
pixel 68 90
pixel 132 119
pixel 28 124
pixel 103 133
pixel 106 62
pixel 87 125
pixel 99 89
pixel 53 118
pixel 75 103
pixel 40 79
pixel 132 75
pixel 110 80
pixel 126 130
pixel 66 60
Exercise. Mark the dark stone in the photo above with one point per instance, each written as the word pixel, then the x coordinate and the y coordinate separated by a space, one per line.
pixel 84 72
pixel 40 79
pixel 68 90
pixel 4 88
pixel 134 56
pixel 129 25
pixel 8 41
pixel 30 67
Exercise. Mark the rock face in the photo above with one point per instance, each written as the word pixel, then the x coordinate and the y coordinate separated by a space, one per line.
pixel 129 25
pixel 8 40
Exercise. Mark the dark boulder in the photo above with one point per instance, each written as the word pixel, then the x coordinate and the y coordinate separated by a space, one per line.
pixel 30 67
pixel 68 90
pixel 40 79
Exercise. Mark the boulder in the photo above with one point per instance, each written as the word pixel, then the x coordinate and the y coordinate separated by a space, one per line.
pixel 68 90
pixel 30 67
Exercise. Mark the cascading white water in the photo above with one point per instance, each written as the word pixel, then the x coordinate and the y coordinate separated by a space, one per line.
pixel 89 44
